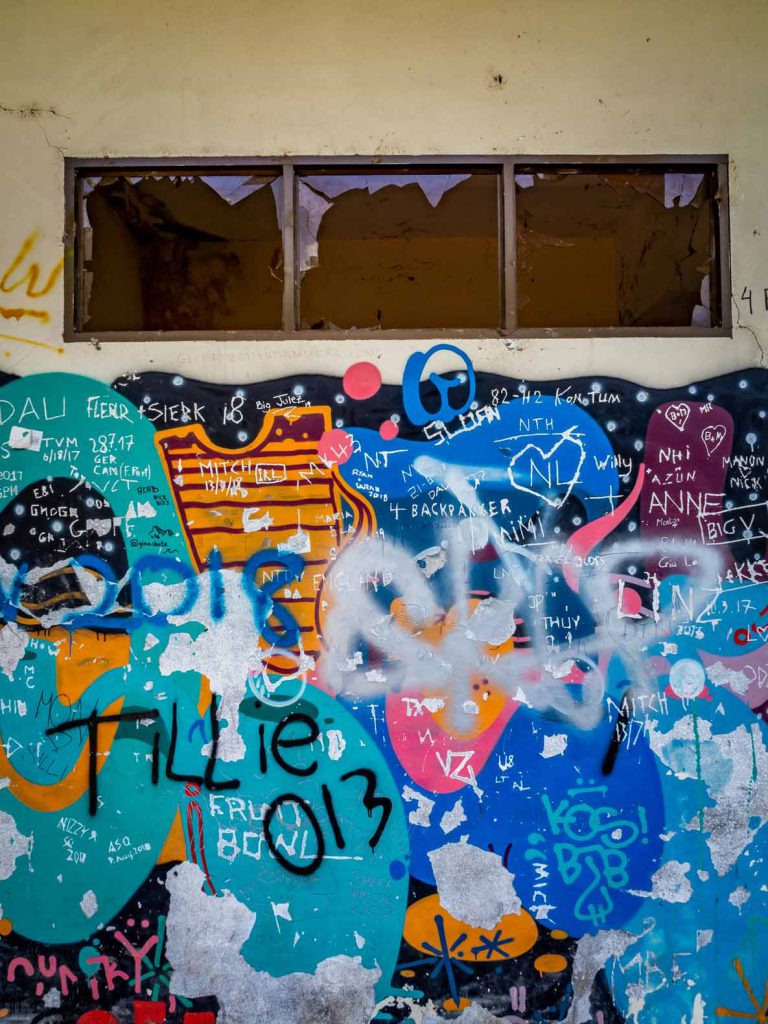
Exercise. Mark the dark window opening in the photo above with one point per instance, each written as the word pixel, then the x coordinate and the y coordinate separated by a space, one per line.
pixel 616 248
pixel 435 246
pixel 182 252
pixel 383 250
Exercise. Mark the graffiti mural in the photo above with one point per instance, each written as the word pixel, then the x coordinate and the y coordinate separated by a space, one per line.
pixel 325 699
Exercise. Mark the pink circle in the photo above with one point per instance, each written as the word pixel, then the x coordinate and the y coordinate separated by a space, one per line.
pixel 362 380
pixel 631 602
pixel 335 447
pixel 389 430
pixel 130 922
pixel 145 923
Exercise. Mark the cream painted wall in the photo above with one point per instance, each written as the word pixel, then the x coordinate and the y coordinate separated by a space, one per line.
pixel 338 77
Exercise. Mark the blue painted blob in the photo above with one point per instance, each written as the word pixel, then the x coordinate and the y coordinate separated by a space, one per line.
pixel 577 841
pixel 397 869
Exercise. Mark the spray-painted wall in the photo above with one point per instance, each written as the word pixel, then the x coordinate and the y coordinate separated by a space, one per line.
pixel 333 693
pixel 324 697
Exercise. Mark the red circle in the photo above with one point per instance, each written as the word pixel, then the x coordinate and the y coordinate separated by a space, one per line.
pixel 335 447
pixel 361 381
pixel 389 430
pixel 631 602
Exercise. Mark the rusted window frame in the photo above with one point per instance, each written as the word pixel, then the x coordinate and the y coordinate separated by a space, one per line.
pixel 78 168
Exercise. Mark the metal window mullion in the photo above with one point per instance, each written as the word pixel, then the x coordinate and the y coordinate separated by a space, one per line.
pixel 723 246
pixel 509 234
pixel 289 250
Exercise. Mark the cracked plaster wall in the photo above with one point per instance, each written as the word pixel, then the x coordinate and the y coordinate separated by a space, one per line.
pixel 113 80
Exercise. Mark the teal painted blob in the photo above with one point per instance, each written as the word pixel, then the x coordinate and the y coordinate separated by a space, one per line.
pixel 674 936
pixel 354 889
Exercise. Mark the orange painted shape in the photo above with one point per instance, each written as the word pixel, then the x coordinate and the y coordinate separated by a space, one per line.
pixel 279 481
pixel 490 700
pixel 80 660
pixel 517 933
pixel 550 963
pixel 174 848
pixel 17 312
pixel 32 273
pixel 453 1006
pixel 6 927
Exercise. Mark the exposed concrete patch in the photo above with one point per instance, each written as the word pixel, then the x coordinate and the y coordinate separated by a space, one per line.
pixel 554 746
pixel 89 904
pixel 473 884
pixel 205 935
pixel 453 818
pixel 592 954
pixel 421 813
pixel 13 644
pixel 734 679
pixel 739 896
pixel 669 883
pixel 227 650
pixel 703 937
pixel 13 844
pixel 733 767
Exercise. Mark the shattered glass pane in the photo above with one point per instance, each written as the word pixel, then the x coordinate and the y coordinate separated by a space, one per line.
pixel 610 247
pixel 182 251
pixel 390 249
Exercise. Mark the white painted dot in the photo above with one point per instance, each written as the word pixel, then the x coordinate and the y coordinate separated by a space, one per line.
pixel 687 678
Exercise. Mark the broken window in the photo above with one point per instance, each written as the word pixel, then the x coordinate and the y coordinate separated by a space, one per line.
pixel 399 250
pixel 489 246
pixel 601 247
pixel 181 252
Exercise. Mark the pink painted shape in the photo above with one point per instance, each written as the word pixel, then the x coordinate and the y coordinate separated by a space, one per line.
pixel 588 537
pixel 422 759
pixel 361 381
pixel 389 430
pixel 335 447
